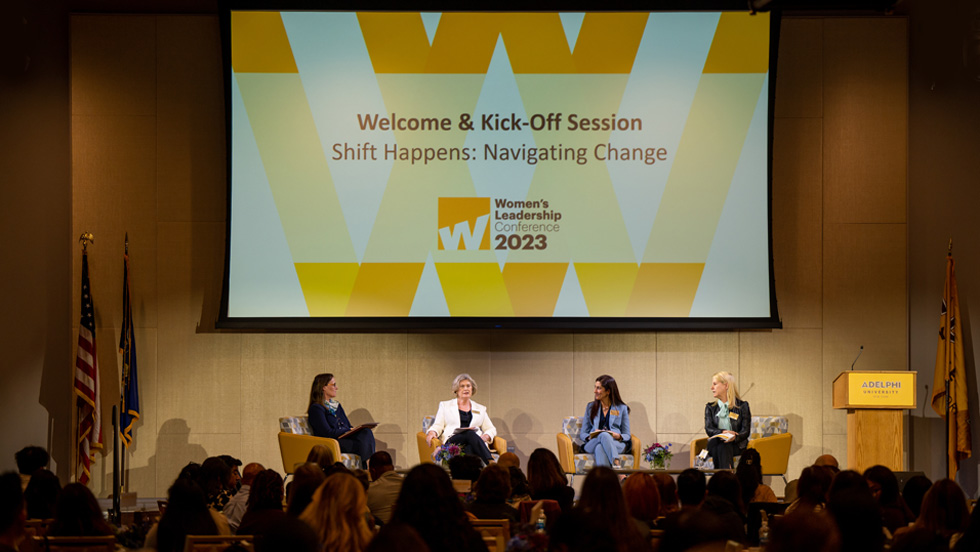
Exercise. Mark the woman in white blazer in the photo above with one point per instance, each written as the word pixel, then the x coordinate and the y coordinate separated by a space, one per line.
pixel 462 412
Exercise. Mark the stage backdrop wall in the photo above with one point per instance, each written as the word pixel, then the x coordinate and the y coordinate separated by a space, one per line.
pixel 148 157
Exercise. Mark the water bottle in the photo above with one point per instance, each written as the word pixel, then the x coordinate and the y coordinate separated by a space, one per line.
pixel 764 530
pixel 539 525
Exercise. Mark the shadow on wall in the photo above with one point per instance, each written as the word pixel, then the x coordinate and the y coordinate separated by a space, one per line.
pixel 173 451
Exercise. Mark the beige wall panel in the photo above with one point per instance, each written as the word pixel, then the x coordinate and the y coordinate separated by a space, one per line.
pixel 371 372
pixel 865 119
pixel 864 304
pixel 276 373
pixel 797 220
pixel 531 384
pixel 685 364
pixel 433 361
pixel 835 444
pixel 113 65
pixel 114 192
pixel 799 73
pixel 781 374
pixel 526 443
pixel 629 358
pixel 199 374
pixel 178 447
pixel 190 110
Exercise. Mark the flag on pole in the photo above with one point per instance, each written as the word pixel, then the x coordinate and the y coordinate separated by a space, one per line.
pixel 130 411
pixel 87 395
pixel 951 369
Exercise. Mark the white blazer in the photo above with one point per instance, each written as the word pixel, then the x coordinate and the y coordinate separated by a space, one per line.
pixel 447 420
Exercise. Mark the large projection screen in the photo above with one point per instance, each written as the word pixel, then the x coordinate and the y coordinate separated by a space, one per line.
pixel 423 170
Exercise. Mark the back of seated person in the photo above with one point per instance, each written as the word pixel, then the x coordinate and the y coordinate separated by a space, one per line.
pixel 547 480
pixel 724 500
pixel 264 509
pixel 306 479
pixel 520 490
pixel 492 491
pixel 41 494
pixel 29 460
pixel 79 514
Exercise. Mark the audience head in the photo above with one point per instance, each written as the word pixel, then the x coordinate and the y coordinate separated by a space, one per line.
pixel 544 471
pixel 379 463
pixel 266 491
pixel 811 490
pixel 518 482
pixel 236 474
pixel 694 527
pixel 858 518
pixel 642 497
pixel 322 456
pixel 577 531
pixel 30 459
pixel 186 514
pixel 602 499
pixel 189 471
pixel 918 539
pixel 749 474
pixel 458 380
pixel 465 467
pixel 668 492
pixel 429 504
pixel 804 532
pixel 691 487
pixel 214 476
pixel 12 512
pixel 913 492
pixel 250 471
pixel 944 509
pixel 397 537
pixel 847 480
pixel 828 461
pixel 493 486
pixel 970 541
pixel 41 494
pixel 725 485
pixel 728 379
pixel 306 480
pixel 509 459
pixel 79 514
pixel 336 514
pixel 316 389
pixel 883 484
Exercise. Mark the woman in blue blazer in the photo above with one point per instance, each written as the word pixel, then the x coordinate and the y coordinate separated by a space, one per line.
pixel 328 419
pixel 609 416
pixel 729 417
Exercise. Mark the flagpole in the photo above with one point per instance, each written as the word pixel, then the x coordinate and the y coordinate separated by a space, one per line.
pixel 122 386
pixel 949 342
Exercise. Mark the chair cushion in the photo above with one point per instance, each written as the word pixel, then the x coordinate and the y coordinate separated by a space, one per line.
pixel 427 422
pixel 572 426
pixel 765 426
pixel 585 462
pixel 299 425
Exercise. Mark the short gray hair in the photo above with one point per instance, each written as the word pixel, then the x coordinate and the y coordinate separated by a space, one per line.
pixel 460 379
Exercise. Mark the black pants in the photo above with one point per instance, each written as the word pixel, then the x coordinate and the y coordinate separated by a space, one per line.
pixel 360 443
pixel 472 444
pixel 723 453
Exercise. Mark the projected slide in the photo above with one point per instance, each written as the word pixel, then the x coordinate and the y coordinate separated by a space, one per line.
pixel 550 165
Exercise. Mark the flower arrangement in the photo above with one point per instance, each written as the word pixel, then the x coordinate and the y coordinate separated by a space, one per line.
pixel 658 455
pixel 443 453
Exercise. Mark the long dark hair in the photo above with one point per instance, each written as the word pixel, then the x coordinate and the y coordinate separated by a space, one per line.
pixel 78 514
pixel 749 474
pixel 602 500
pixel 265 493
pixel 609 384
pixel 187 514
pixel 428 503
pixel 316 390
pixel 544 471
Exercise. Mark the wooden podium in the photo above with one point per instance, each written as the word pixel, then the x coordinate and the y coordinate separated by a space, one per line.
pixel 874 403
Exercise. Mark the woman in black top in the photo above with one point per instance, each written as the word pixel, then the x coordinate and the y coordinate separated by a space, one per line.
pixel 727 421
pixel 328 419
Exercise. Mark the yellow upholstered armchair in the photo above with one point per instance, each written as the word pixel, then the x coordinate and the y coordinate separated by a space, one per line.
pixel 498 447
pixel 296 442
pixel 769 435
pixel 575 462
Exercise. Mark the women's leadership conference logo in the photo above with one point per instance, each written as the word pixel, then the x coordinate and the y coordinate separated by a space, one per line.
pixel 464 223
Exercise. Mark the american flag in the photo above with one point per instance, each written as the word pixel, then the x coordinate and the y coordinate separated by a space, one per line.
pixel 87 383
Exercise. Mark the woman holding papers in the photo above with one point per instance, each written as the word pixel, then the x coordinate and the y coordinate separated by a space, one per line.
pixel 464 422
pixel 727 421
pixel 606 425
pixel 328 419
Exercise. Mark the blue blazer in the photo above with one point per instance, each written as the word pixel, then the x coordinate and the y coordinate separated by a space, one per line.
pixel 325 424
pixel 619 421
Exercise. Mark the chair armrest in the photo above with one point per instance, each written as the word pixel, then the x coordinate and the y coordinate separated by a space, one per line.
pixel 637 450
pixel 425 450
pixel 697 446
pixel 774 452
pixel 499 445
pixel 295 447
pixel 566 453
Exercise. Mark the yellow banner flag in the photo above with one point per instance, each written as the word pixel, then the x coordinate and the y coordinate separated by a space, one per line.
pixel 950 369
